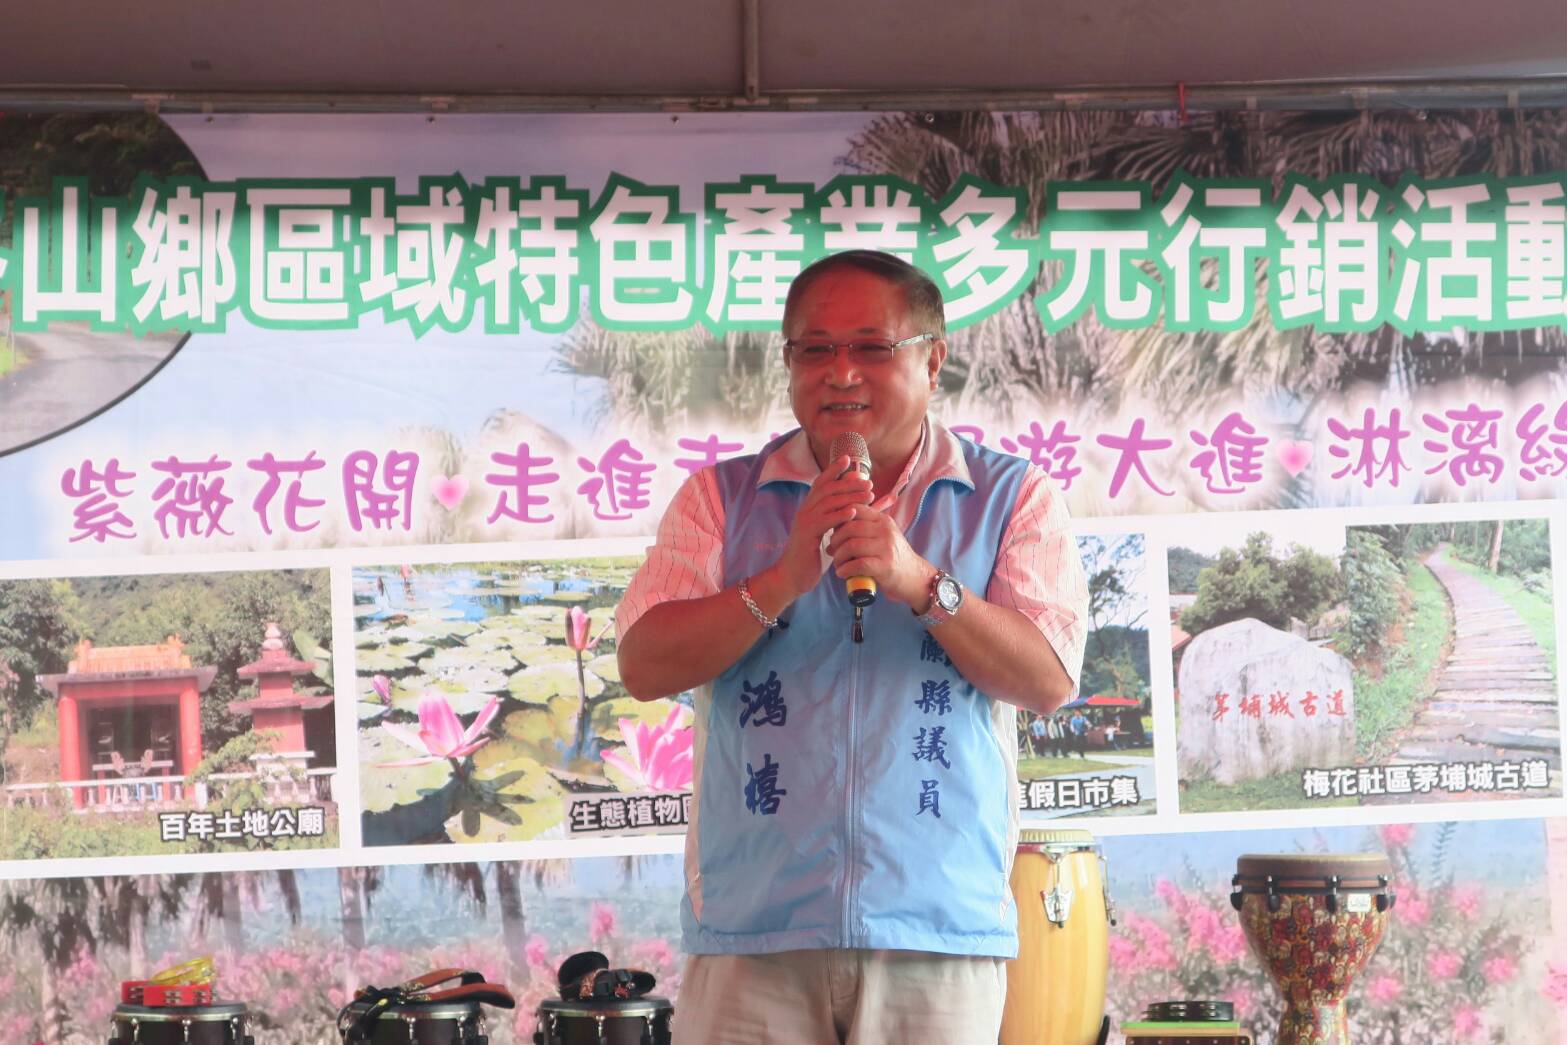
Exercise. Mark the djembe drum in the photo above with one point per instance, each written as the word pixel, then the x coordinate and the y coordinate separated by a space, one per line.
pixel 1056 985
pixel 1314 920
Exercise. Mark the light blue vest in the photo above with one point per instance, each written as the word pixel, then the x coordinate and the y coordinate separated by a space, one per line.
pixel 855 795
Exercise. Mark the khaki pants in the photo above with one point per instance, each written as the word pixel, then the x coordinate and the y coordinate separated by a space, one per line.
pixel 823 997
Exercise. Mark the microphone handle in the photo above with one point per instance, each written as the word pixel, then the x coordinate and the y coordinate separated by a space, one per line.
pixel 862 590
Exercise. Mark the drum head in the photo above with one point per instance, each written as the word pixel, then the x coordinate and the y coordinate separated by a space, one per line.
pixel 611 1008
pixel 1054 836
pixel 422 1010
pixel 217 1012
pixel 1354 870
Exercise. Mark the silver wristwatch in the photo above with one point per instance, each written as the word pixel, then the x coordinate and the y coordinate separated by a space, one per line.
pixel 946 595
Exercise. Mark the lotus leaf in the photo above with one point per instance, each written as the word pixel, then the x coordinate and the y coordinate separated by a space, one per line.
pixel 410 650
pixel 521 633
pixel 552 654
pixel 442 623
pixel 536 685
pixel 623 781
pixel 607 716
pixel 606 667
pixel 445 662
pixel 385 660
pixel 382 789
pixel 410 634
pixel 370 710
pixel 547 732
pixel 484 640
pixel 541 615
pixel 464 700
pixel 509 797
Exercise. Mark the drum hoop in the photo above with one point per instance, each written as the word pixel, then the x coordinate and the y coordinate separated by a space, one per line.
pixel 436 1011
pixel 1296 885
pixel 1056 850
pixel 178 1016
pixel 589 1012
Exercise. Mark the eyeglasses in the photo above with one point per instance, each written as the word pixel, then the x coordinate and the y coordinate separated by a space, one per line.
pixel 867 352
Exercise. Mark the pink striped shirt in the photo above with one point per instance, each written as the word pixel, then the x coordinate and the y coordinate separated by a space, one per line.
pixel 1038 571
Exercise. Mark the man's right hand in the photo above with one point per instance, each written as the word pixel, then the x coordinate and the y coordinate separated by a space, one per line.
pixel 830 503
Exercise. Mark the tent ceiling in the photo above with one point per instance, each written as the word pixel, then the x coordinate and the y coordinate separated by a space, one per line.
pixel 804 47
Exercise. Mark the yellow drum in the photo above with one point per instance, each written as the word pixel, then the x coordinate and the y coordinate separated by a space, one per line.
pixel 1056 987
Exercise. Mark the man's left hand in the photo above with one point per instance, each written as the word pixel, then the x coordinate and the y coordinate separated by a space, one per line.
pixel 871 545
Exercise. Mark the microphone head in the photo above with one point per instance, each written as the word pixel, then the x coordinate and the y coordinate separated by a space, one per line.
pixel 853 445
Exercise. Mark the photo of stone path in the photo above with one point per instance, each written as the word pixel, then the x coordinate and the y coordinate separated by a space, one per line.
pixel 1495 695
pixel 1370 665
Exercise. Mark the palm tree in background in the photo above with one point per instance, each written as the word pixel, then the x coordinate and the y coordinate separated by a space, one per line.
pixel 659 379
pixel 1008 359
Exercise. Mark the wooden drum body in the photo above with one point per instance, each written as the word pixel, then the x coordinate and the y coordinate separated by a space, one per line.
pixel 1314 920
pixel 221 1023
pixel 1056 986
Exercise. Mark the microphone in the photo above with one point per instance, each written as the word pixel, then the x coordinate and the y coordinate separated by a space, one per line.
pixel 862 590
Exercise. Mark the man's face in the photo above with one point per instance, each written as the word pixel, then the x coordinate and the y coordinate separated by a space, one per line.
pixel 884 402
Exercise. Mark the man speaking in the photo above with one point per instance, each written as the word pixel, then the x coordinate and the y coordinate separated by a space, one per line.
pixel 855 814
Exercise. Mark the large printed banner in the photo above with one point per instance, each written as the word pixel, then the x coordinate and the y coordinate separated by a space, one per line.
pixel 324 467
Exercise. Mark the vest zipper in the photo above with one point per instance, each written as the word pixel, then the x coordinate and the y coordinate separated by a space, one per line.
pixel 850 891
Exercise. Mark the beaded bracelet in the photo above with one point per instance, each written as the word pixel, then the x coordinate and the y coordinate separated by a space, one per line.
pixel 763 619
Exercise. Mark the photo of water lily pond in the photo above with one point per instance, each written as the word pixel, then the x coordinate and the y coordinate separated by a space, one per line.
pixel 491 707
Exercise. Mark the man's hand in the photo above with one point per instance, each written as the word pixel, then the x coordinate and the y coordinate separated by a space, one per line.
pixel 871 545
pixel 833 501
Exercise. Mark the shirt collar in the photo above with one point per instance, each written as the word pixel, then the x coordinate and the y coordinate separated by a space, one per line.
pixel 938 456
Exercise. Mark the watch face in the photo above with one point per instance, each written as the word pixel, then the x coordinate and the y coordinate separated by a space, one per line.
pixel 948 593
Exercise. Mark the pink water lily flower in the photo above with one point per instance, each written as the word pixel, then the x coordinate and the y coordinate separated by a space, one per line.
pixel 440 732
pixel 383 688
pixel 577 625
pixel 657 757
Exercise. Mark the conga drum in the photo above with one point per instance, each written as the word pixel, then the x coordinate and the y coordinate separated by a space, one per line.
pixel 1056 985
pixel 415 1023
pixel 603 1021
pixel 1314 920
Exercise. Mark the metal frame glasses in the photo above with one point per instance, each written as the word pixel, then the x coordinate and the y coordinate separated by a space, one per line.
pixel 863 351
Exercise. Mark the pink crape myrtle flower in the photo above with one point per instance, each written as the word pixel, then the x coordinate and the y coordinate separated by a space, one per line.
pixel 440 732
pixel 601 919
pixel 1413 909
pixel 1397 836
pixel 1466 1022
pixel 1385 989
pixel 537 952
pixel 657 757
pixel 1444 965
pixel 1499 969
pixel 1466 899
